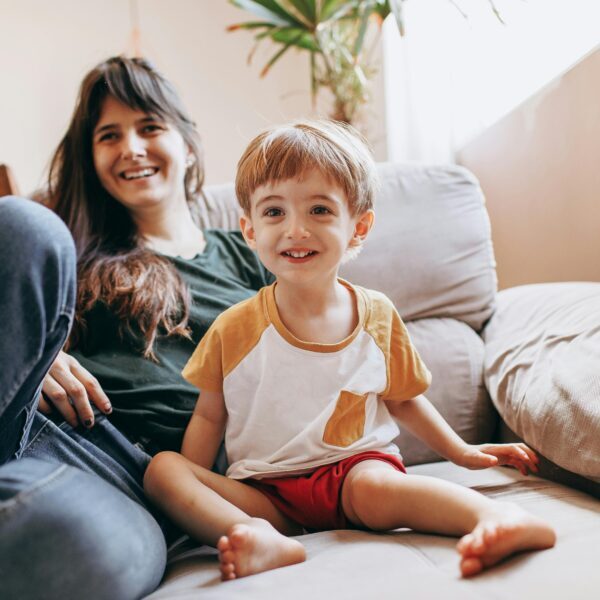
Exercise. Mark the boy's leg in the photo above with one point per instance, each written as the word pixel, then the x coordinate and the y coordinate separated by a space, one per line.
pixel 239 520
pixel 491 530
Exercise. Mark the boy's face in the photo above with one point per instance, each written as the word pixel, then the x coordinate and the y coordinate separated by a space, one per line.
pixel 302 228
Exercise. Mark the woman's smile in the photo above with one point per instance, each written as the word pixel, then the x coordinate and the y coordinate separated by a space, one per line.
pixel 140 158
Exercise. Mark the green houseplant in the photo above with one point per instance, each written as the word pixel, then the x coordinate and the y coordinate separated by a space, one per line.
pixel 334 32
pixel 340 36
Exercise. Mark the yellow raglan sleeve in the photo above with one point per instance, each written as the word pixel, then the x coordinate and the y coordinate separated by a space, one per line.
pixel 407 375
pixel 204 369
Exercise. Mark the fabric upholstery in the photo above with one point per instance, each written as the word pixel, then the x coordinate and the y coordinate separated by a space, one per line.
pixel 453 352
pixel 542 370
pixel 430 249
pixel 357 565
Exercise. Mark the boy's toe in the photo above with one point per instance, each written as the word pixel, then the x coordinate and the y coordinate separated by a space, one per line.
pixel 471 566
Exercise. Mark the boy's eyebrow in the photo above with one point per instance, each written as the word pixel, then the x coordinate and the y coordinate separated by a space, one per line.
pixel 268 198
pixel 276 197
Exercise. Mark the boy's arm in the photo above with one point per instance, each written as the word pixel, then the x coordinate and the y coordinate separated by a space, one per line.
pixel 204 432
pixel 422 419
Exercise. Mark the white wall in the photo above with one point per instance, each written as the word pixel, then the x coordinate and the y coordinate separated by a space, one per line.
pixel 452 77
pixel 47 47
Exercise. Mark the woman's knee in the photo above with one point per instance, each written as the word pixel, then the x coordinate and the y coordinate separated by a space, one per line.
pixel 28 227
pixel 63 531
pixel 37 254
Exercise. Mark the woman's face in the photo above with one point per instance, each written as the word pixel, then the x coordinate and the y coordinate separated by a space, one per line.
pixel 140 159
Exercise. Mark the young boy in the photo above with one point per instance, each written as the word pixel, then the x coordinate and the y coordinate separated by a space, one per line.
pixel 304 378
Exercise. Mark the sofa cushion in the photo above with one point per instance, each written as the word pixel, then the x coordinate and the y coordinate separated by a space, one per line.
pixel 403 564
pixel 430 250
pixel 542 369
pixel 453 352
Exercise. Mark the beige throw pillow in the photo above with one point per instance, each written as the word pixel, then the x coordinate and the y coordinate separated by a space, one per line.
pixel 542 370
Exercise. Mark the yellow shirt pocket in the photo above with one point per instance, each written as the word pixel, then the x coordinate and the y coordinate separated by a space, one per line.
pixel 347 423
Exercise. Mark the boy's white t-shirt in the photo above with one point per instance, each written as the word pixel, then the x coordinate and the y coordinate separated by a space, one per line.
pixel 292 405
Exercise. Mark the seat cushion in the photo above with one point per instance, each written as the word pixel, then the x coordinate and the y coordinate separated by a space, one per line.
pixel 453 352
pixel 430 249
pixel 542 369
pixel 402 564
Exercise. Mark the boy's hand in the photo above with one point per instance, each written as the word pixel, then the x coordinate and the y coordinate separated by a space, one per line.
pixel 483 456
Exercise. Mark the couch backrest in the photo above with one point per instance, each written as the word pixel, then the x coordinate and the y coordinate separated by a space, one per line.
pixel 430 250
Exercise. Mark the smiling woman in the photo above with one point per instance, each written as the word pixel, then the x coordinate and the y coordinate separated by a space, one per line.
pixel 149 284
pixel 140 154
pixel 139 158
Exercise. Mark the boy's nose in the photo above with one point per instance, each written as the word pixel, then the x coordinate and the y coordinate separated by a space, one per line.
pixel 296 230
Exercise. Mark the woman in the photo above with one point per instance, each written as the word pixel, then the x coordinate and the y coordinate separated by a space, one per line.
pixel 149 283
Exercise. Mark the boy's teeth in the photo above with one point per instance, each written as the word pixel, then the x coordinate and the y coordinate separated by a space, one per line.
pixel 299 254
pixel 140 173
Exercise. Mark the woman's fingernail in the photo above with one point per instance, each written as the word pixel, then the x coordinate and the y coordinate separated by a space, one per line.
pixel 88 422
pixel 108 409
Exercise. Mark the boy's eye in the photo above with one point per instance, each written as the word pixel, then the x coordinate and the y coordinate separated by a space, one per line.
pixel 320 210
pixel 273 212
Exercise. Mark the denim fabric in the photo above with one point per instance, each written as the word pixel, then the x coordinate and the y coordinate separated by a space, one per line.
pixel 37 296
pixel 64 532
pixel 69 535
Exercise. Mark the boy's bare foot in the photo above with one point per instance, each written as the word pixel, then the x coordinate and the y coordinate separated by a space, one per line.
pixel 504 532
pixel 256 547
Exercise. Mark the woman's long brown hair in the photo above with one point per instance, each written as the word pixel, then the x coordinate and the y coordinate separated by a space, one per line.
pixel 140 287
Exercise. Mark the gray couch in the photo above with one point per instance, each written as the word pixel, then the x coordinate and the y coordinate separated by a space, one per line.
pixel 519 364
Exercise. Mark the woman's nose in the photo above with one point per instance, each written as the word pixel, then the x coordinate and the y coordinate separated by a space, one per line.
pixel 133 146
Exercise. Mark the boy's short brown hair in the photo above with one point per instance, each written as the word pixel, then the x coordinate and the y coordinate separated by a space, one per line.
pixel 287 151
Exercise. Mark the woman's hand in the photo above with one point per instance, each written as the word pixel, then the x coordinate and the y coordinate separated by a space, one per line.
pixel 482 456
pixel 70 389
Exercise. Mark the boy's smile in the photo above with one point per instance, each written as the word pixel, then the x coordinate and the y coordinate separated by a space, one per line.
pixel 302 227
pixel 296 255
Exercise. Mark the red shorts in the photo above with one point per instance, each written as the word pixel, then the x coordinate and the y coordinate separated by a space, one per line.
pixel 313 499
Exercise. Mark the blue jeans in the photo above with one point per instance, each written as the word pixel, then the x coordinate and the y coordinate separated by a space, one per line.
pixel 73 519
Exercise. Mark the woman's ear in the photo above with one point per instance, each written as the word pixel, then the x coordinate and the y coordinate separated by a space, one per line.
pixel 248 231
pixel 190 159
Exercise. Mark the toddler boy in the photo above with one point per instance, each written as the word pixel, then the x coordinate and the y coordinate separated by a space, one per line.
pixel 305 380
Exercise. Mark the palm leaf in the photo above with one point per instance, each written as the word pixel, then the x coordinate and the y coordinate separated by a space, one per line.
pixel 269 10
pixel 295 37
pixel 307 9
pixel 250 25
pixel 277 56
pixel 328 8
pixel 362 30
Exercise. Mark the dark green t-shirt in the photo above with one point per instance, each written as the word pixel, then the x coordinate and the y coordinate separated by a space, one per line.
pixel 152 403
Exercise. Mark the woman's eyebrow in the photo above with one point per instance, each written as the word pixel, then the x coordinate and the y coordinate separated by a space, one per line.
pixel 146 119
pixel 105 128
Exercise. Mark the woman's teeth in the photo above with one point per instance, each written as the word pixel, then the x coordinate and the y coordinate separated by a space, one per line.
pixel 139 173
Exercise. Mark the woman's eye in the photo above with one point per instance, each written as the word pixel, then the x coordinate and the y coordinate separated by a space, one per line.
pixel 107 136
pixel 273 212
pixel 321 210
pixel 151 128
